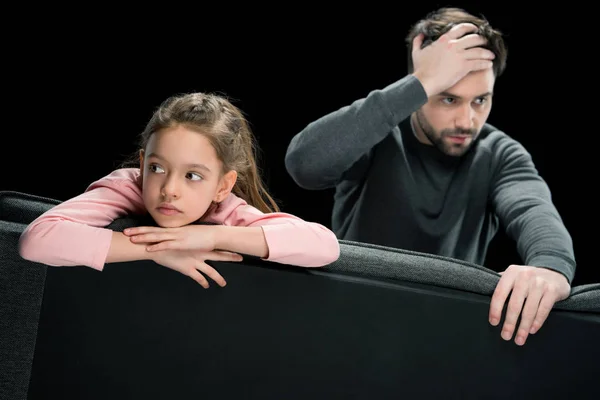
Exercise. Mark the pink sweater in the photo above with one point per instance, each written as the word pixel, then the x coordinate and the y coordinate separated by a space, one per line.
pixel 72 233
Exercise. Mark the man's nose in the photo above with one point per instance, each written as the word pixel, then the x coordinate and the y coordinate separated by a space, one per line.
pixel 464 118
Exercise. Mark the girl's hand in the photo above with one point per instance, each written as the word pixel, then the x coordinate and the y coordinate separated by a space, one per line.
pixel 189 237
pixel 191 263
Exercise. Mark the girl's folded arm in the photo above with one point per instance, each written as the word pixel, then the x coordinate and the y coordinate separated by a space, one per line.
pixel 289 239
pixel 292 240
pixel 73 232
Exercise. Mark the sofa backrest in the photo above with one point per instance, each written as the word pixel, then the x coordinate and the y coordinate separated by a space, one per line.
pixel 378 323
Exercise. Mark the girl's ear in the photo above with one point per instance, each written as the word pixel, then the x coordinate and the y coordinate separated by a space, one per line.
pixel 225 186
pixel 142 164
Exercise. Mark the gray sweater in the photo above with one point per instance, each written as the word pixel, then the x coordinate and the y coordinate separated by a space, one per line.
pixel 392 190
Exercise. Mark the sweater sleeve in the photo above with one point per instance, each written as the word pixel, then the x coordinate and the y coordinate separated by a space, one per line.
pixel 290 239
pixel 72 233
pixel 523 202
pixel 319 155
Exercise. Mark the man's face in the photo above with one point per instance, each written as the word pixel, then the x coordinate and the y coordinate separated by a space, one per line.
pixel 452 120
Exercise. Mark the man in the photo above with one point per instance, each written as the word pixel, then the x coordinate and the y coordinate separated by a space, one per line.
pixel 416 166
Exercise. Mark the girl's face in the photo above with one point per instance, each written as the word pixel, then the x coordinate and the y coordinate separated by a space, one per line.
pixel 181 176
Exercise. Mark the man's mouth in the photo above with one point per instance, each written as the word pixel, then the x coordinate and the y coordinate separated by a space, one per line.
pixel 458 138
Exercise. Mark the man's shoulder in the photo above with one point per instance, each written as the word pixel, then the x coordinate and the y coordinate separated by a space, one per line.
pixel 494 139
pixel 491 134
pixel 500 145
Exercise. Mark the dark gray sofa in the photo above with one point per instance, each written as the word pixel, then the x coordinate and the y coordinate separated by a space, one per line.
pixel 379 323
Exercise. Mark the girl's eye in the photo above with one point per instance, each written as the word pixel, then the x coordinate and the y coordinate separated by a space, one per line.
pixel 193 176
pixel 156 168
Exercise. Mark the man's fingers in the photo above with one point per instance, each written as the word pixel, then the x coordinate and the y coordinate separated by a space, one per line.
pixel 544 308
pixel 460 30
pixel 514 308
pixel 470 41
pixel 479 65
pixel 499 297
pixel 479 53
pixel 530 310
pixel 417 42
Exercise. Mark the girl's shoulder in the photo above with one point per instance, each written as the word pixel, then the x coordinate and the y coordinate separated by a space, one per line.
pixel 231 210
pixel 128 177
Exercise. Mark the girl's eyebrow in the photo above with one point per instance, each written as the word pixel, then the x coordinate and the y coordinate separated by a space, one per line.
pixel 191 165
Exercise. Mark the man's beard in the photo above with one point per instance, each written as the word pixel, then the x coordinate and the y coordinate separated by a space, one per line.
pixel 446 147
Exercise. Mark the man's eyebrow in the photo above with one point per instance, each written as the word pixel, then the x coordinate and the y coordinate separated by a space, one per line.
pixel 192 165
pixel 448 94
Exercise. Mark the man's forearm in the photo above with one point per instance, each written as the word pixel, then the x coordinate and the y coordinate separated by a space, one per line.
pixel 321 153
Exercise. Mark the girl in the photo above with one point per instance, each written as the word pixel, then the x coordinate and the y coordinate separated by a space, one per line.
pixel 196 163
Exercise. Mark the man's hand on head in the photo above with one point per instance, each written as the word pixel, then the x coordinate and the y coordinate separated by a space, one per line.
pixel 443 63
pixel 533 292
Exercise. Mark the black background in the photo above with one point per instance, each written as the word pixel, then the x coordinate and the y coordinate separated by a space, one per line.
pixel 80 85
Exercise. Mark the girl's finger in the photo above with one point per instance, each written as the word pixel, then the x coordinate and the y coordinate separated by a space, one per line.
pixel 166 245
pixel 152 237
pixel 211 273
pixel 197 276
pixel 141 229
pixel 224 256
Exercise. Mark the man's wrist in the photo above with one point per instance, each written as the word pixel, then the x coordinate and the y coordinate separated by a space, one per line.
pixel 427 85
